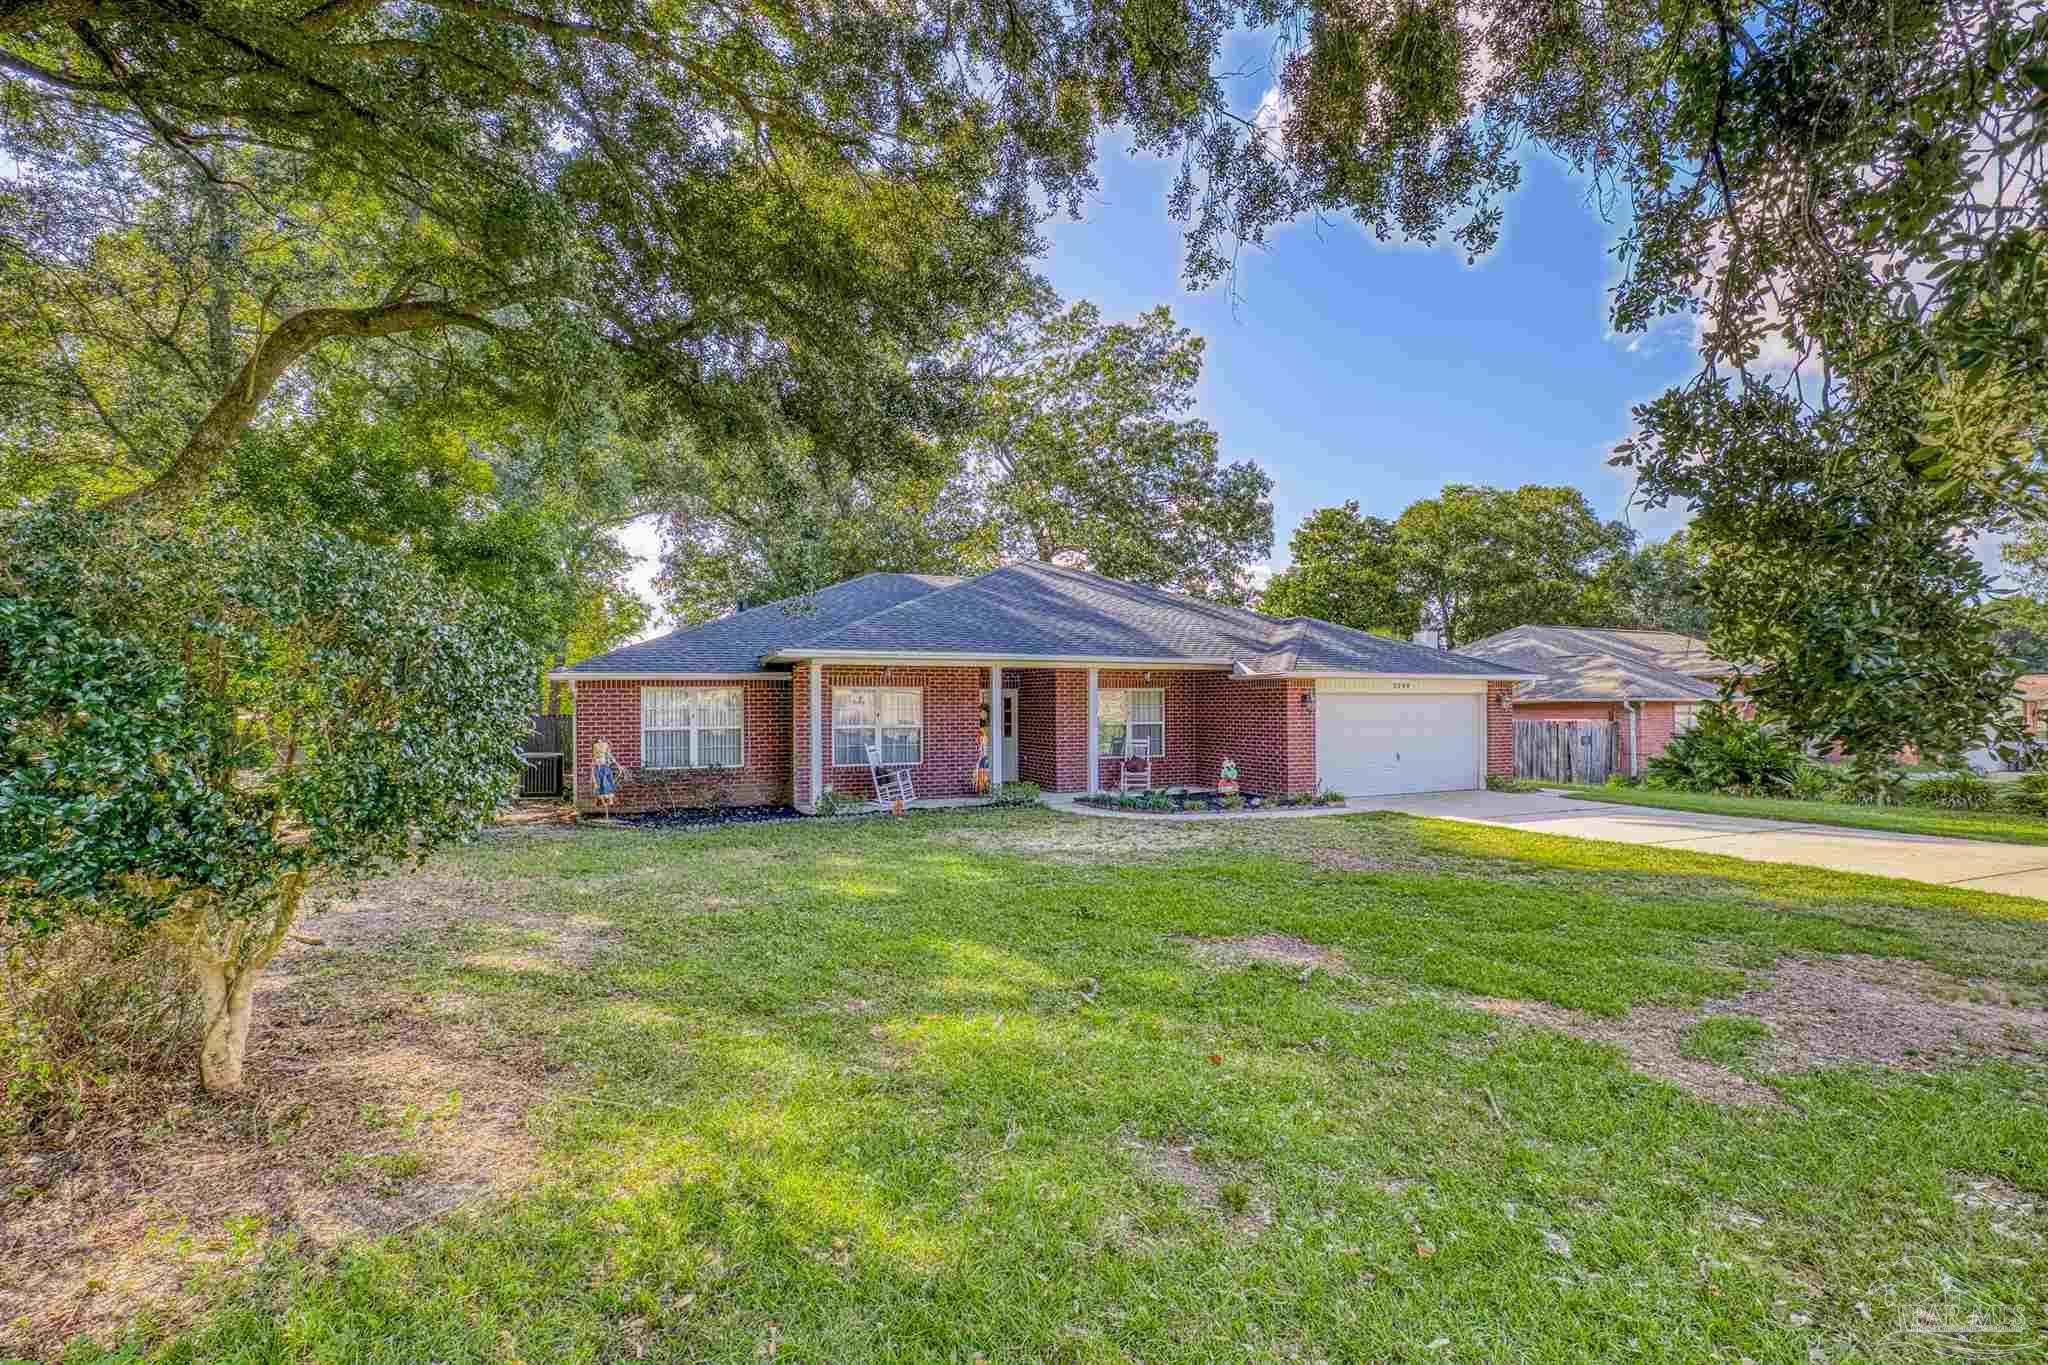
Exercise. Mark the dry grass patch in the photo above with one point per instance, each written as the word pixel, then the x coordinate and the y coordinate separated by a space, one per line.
pixel 1232 1201
pixel 363 1113
pixel 385 913
pixel 1650 1037
pixel 1852 1011
pixel 1086 839
pixel 1279 949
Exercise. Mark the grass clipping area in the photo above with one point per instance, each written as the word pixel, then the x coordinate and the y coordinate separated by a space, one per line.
pixel 1014 1085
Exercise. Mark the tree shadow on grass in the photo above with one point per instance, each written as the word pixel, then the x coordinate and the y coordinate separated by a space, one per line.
pixel 897 1106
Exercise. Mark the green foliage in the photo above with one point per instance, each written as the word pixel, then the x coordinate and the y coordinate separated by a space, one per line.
pixel 2029 795
pixel 1724 751
pixel 1657 587
pixel 1464 564
pixel 1344 567
pixel 1847 586
pixel 1953 791
pixel 1621 780
pixel 1016 794
pixel 207 715
pixel 1812 782
pixel 196 727
pixel 1519 786
pixel 1083 448
pixel 1073 445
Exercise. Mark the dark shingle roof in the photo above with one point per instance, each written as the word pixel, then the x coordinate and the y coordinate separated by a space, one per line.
pixel 1032 610
pixel 735 643
pixel 1577 663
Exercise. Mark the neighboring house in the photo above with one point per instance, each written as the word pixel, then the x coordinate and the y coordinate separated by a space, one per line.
pixel 2033 692
pixel 1651 683
pixel 790 695
pixel 2030 699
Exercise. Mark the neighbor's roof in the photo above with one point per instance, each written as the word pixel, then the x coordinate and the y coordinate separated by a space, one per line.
pixel 1032 610
pixel 1578 663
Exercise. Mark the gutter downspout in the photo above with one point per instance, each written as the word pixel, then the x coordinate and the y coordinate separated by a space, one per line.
pixel 1635 737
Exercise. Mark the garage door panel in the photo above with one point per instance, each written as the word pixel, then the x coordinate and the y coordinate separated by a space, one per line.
pixel 1377 744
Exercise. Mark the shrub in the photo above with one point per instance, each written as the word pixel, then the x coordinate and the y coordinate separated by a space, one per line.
pixel 1954 791
pixel 1016 794
pixel 201 725
pixel 1621 780
pixel 2027 802
pixel 1811 783
pixel 1232 802
pixel 1515 785
pixel 1327 797
pixel 1725 751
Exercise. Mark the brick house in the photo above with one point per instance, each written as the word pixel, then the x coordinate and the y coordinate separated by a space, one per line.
pixel 785 699
pixel 1649 683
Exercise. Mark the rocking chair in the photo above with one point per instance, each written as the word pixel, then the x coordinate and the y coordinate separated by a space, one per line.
pixel 891 785
pixel 1137 768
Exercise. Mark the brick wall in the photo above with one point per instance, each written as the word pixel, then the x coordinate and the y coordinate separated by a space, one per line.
pixel 1500 729
pixel 1052 726
pixel 609 709
pixel 1659 723
pixel 1263 725
pixel 800 737
pixel 952 728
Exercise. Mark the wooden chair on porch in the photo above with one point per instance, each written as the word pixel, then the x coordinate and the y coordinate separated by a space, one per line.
pixel 1137 768
pixel 891 785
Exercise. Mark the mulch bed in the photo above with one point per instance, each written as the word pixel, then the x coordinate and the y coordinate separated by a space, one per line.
pixel 1197 801
pixel 697 819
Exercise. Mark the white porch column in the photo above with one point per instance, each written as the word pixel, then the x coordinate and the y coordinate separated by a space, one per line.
pixel 817 732
pixel 996 775
pixel 1094 733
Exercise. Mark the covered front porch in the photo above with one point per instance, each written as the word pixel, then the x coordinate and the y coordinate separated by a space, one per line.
pixel 1066 727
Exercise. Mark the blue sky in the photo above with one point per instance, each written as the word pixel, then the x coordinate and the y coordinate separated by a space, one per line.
pixel 1348 368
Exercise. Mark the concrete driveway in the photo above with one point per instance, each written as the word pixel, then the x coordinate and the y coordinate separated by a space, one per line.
pixel 2015 869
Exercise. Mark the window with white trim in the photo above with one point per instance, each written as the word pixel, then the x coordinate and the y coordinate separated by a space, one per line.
pixel 890 718
pixel 1123 714
pixel 693 727
pixel 1684 715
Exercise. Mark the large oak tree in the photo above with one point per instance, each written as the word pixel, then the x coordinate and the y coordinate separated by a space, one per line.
pixel 1461 565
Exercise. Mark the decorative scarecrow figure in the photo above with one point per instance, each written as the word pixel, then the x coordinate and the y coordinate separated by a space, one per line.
pixel 604 771
pixel 1226 780
pixel 981 772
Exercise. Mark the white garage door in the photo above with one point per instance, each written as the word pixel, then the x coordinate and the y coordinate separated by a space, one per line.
pixel 1375 744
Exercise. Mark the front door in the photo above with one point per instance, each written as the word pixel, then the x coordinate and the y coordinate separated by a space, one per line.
pixel 1009 734
pixel 1003 722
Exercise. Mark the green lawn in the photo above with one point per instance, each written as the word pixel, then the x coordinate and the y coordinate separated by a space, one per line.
pixel 964 1087
pixel 2002 827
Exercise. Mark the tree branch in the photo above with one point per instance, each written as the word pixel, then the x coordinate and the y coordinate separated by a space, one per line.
pixel 283 348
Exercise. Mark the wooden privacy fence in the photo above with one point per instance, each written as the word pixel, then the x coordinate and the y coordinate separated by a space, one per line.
pixel 547 750
pixel 1566 750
